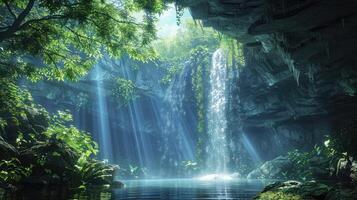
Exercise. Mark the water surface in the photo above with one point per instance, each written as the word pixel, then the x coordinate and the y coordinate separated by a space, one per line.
pixel 179 189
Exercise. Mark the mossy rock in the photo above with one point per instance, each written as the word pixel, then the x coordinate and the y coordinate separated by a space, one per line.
pixel 277 195
pixel 7 151
pixel 51 157
pixel 293 190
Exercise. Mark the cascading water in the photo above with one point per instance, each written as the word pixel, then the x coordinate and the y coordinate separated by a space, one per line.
pixel 217 149
pixel 180 123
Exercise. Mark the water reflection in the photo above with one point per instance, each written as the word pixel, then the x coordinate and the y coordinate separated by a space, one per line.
pixel 179 189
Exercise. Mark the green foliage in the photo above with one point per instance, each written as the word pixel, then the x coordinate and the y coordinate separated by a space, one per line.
pixel 62 39
pixel 78 140
pixel 124 90
pixel 279 195
pixel 344 138
pixel 12 99
pixel 306 190
pixel 200 58
pixel 233 50
pixel 190 36
pixel 11 171
pixel 43 145
pixel 190 167
pixel 171 72
pixel 19 116
pixel 320 161
pixel 174 51
pixel 95 172
pixel 132 171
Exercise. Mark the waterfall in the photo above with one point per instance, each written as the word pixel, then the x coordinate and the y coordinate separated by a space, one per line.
pixel 180 122
pixel 217 149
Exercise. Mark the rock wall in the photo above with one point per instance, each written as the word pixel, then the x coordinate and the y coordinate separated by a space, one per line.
pixel 300 77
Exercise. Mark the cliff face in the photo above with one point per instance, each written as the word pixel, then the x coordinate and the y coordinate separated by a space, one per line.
pixel 300 76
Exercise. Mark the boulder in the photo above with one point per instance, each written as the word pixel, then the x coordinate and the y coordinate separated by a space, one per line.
pixel 51 157
pixel 40 181
pixel 273 169
pixel 117 184
pixel 347 169
pixel 7 151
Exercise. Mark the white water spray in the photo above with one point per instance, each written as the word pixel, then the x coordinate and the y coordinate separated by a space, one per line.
pixel 217 150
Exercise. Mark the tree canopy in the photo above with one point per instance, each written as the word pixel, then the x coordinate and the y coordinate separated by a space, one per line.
pixel 61 39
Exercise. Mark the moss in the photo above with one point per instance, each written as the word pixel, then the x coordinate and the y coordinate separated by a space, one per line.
pixel 279 196
pixel 200 60
pixel 292 190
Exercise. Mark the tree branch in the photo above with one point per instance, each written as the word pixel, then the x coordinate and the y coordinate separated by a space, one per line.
pixel 116 20
pixel 23 14
pixel 17 22
pixel 81 36
pixel 50 17
pixel 10 10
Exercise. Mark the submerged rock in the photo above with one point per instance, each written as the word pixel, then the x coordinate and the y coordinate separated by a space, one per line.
pixel 273 169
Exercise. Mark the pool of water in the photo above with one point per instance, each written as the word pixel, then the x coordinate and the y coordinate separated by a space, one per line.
pixel 179 189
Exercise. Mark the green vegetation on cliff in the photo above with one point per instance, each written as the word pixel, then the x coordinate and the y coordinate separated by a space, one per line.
pixel 38 148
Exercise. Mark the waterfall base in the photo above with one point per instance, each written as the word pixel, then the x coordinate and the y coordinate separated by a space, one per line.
pixel 216 177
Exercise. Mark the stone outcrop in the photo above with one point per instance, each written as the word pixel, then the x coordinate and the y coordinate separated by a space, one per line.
pixel 347 169
pixel 300 77
pixel 273 169
pixel 7 151
pixel 308 190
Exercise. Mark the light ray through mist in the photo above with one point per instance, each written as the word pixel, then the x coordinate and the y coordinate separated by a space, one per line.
pixel 250 149
pixel 104 134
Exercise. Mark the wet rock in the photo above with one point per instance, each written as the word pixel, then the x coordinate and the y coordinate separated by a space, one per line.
pixel 38 118
pixel 273 169
pixel 52 157
pixel 347 169
pixel 354 171
pixel 41 181
pixel 236 175
pixel 32 120
pixel 307 190
pixel 117 184
pixel 7 151
pixel 6 187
